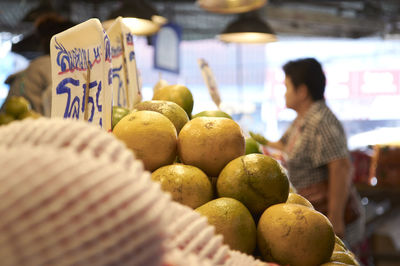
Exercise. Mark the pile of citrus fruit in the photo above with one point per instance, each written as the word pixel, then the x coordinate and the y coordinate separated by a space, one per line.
pixel 205 162
pixel 17 108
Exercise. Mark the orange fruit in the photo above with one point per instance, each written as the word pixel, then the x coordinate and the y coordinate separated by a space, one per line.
pixel 187 184
pixel 343 257
pixel 178 94
pixel 233 221
pixel 252 146
pixel 256 180
pixel 171 110
pixel 298 199
pixel 16 105
pixel 5 119
pixel 293 234
pixel 150 135
pixel 214 113
pixel 118 112
pixel 209 143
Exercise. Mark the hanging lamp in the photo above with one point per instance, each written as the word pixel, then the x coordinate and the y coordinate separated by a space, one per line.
pixel 230 6
pixel 248 28
pixel 141 17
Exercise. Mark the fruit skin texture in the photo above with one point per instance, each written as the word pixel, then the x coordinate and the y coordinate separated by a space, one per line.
pixel 5 119
pixel 298 199
pixel 16 105
pixel 343 257
pixel 209 143
pixel 118 113
pixel 292 234
pixel 256 180
pixel 252 146
pixel 213 113
pixel 178 94
pixel 232 220
pixel 187 184
pixel 171 110
pixel 150 135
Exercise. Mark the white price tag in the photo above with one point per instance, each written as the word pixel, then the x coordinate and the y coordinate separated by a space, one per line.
pixel 82 74
pixel 210 81
pixel 125 78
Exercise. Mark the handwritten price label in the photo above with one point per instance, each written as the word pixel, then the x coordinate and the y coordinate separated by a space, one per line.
pixel 82 74
pixel 125 78
pixel 209 79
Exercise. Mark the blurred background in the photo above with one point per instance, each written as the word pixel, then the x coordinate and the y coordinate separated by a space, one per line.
pixel 357 41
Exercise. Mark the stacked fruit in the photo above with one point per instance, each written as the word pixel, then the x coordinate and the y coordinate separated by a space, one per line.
pixel 17 108
pixel 207 164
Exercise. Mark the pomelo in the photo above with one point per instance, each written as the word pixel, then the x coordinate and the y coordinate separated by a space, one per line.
pixel 178 94
pixel 209 143
pixel 187 184
pixel 232 220
pixel 150 135
pixel 256 180
pixel 171 110
pixel 298 199
pixel 293 234
pixel 212 113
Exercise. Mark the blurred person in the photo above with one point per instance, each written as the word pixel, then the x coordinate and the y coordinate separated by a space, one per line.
pixel 34 82
pixel 315 151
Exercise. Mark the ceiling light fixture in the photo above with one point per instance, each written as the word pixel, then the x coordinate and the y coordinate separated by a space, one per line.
pixel 230 6
pixel 141 17
pixel 248 28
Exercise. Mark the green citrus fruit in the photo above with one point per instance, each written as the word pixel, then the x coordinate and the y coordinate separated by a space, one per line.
pixel 233 221
pixel 178 94
pixel 171 110
pixel 256 180
pixel 214 113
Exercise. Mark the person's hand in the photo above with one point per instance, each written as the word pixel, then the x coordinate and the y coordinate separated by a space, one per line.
pixel 259 138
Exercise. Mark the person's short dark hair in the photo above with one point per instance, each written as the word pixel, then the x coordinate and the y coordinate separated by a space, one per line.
pixel 307 71
pixel 48 25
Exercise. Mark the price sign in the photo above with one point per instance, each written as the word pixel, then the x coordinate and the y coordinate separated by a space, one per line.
pixel 82 74
pixel 209 79
pixel 126 91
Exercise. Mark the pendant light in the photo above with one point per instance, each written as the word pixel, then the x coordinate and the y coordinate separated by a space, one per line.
pixel 141 17
pixel 230 6
pixel 248 28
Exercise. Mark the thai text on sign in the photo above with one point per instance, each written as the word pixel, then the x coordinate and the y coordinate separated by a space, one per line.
pixel 124 72
pixel 82 74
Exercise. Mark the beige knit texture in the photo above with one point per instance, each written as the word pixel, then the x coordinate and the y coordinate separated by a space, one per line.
pixel 72 194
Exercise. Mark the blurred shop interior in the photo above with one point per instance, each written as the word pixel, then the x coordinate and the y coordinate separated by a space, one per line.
pixel 357 41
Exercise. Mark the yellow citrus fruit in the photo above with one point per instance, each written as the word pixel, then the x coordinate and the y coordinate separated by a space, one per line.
pixel 298 199
pixel 16 105
pixel 209 143
pixel 340 242
pixel 171 110
pixel 252 146
pixel 343 257
pixel 29 114
pixel 213 113
pixel 334 263
pixel 339 248
pixel 256 180
pixel 233 221
pixel 178 94
pixel 293 234
pixel 151 136
pixel 118 113
pixel 5 119
pixel 187 184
